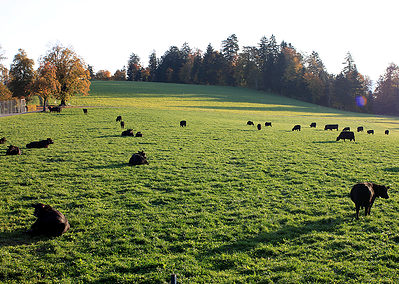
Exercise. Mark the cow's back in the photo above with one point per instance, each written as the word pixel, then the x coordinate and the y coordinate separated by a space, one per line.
pixel 362 194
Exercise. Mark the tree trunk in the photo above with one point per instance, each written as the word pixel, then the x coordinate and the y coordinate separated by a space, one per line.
pixel 44 104
pixel 63 103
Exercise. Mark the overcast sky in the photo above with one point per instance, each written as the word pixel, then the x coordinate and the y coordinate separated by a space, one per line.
pixel 105 33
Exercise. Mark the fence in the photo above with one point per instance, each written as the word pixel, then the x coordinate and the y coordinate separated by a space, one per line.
pixel 12 106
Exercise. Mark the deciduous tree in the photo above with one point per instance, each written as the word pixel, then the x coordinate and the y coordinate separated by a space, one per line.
pixel 71 72
pixel 21 74
pixel 119 75
pixel 46 84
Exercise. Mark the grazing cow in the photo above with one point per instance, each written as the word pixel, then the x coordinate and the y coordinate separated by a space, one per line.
pixel 268 124
pixel 360 129
pixel 259 126
pixel 85 110
pixel 3 140
pixel 364 194
pixel 183 123
pixel 139 134
pixel 50 222
pixel 128 132
pixel 138 159
pixel 118 118
pixel 370 131
pixel 40 144
pixel 13 150
pixel 386 132
pixel 296 127
pixel 331 126
pixel 122 124
pixel 250 122
pixel 346 129
pixel 313 124
pixel 55 108
pixel 346 135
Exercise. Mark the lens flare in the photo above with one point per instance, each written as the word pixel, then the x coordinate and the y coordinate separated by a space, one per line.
pixel 361 101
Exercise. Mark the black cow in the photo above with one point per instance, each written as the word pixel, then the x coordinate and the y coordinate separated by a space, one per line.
pixel 55 108
pixel 250 122
pixel 138 159
pixel 364 194
pixel 346 135
pixel 183 123
pixel 3 140
pixel 13 150
pixel 139 134
pixel 40 144
pixel 85 110
pixel 346 129
pixel 386 132
pixel 122 124
pixel 50 222
pixel 297 128
pixel 313 124
pixel 259 126
pixel 331 127
pixel 370 131
pixel 128 132
pixel 360 129
pixel 268 124
pixel 118 118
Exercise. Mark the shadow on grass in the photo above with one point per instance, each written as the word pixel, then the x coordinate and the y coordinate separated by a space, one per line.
pixel 111 166
pixel 324 142
pixel 289 232
pixel 392 170
pixel 18 237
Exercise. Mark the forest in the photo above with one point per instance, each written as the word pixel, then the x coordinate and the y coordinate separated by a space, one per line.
pixel 271 67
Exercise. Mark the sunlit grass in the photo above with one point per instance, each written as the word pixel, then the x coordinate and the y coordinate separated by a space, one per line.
pixel 219 202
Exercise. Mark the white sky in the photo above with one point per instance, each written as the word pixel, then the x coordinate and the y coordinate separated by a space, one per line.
pixel 105 33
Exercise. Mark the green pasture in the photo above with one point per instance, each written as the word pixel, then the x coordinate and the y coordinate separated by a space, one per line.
pixel 219 202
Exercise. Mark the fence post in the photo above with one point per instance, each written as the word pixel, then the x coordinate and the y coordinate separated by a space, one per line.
pixel 173 279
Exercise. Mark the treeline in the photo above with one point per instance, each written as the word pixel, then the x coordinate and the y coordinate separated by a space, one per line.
pixel 61 74
pixel 271 67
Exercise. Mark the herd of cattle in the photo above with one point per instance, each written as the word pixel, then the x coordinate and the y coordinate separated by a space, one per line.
pixel 345 134
pixel 51 222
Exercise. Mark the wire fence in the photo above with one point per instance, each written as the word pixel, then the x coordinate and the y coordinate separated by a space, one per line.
pixel 12 106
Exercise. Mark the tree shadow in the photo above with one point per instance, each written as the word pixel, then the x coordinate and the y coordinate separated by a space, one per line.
pixel 289 232
pixel 110 166
pixel 18 237
pixel 392 170
pixel 324 142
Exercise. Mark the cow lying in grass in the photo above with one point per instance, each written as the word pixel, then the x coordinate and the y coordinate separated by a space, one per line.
pixel 40 144
pixel 54 108
pixel 364 194
pixel 128 132
pixel 250 122
pixel 139 134
pixel 138 159
pixel 3 140
pixel 50 222
pixel 13 150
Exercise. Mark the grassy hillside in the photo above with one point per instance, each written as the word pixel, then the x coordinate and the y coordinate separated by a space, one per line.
pixel 219 202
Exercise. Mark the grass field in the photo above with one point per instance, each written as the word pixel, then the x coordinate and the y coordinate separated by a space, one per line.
pixel 219 202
